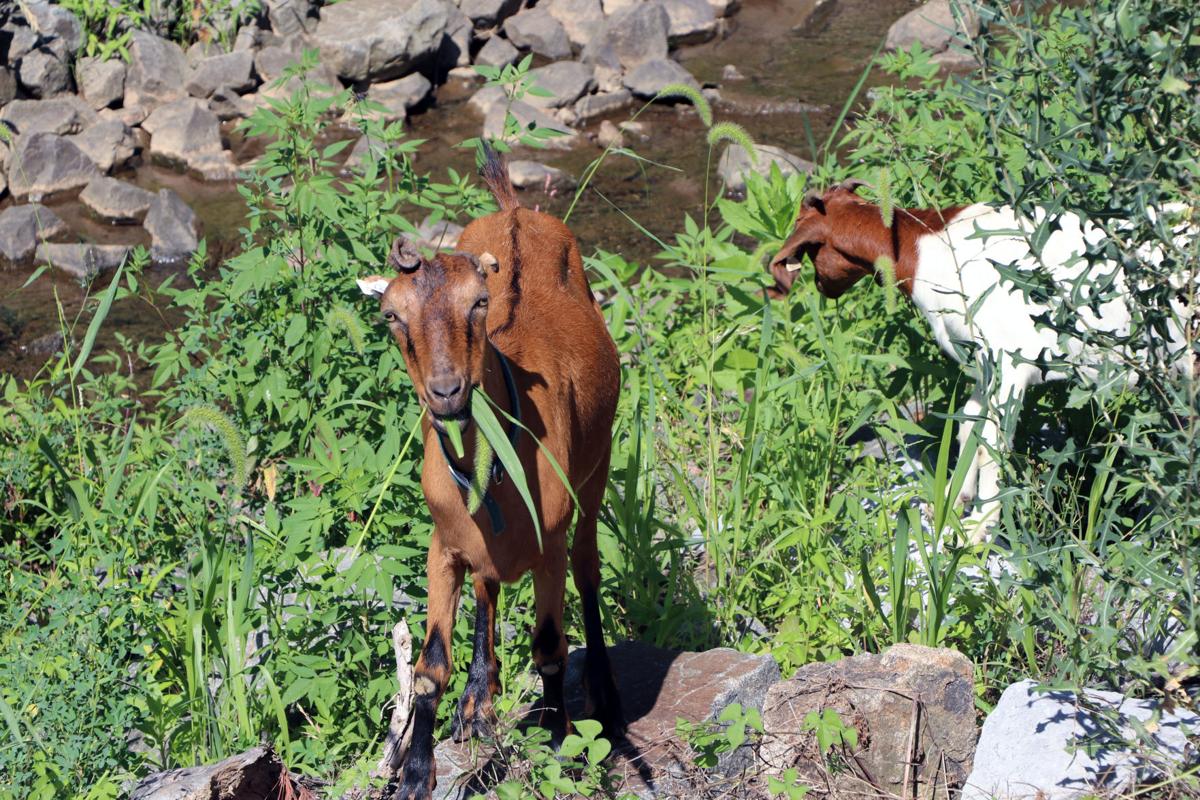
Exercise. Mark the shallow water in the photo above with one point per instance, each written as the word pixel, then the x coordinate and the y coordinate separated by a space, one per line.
pixel 814 68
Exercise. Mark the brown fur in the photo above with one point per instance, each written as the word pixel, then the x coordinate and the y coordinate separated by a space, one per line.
pixel 541 315
pixel 844 236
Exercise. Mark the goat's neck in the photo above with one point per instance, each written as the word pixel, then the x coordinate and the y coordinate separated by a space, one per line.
pixel 496 388
pixel 866 240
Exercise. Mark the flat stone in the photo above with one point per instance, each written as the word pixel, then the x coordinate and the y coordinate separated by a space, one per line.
pixel 232 70
pixel 650 77
pixel 630 37
pixel 54 21
pixel 157 70
pixel 735 164
pixel 932 26
pixel 691 21
pixel 173 228
pixel 878 695
pixel 44 74
pixel 46 163
pixel 579 18
pixel 109 143
pixel 1056 745
pixel 566 81
pixel 82 260
pixel 61 115
pixel 539 31
pixel 601 103
pixel 497 52
pixel 489 13
pixel 116 201
pixel 527 116
pixel 251 775
pixel 22 227
pixel 381 39
pixel 400 95
pixel 187 133
pixel 534 175
pixel 101 83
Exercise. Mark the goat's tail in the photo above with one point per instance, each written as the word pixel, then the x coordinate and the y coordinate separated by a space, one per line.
pixel 495 174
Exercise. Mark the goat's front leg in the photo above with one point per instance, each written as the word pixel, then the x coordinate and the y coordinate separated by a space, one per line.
pixel 432 673
pixel 970 412
pixel 475 715
pixel 994 439
pixel 550 643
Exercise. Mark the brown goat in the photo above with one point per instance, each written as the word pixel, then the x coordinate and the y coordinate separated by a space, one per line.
pixel 513 315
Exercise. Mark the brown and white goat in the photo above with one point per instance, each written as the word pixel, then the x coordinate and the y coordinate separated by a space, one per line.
pixel 512 314
pixel 945 261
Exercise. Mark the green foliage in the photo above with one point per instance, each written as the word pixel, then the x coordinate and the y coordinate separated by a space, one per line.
pixel 710 740
pixel 830 730
pixel 575 770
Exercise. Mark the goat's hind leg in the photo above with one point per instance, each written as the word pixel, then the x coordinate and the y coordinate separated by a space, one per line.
pixel 475 715
pixel 550 643
pixel 971 411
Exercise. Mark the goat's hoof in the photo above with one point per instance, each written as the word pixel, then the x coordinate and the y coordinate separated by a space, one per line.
pixel 473 718
pixel 557 723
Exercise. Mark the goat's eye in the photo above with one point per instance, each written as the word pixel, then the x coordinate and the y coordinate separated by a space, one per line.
pixel 390 316
pixel 481 302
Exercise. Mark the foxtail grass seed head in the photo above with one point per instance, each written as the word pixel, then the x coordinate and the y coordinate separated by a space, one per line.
pixel 483 472
pixel 691 93
pixel 887 208
pixel 343 317
pixel 732 132
pixel 202 416
pixel 887 268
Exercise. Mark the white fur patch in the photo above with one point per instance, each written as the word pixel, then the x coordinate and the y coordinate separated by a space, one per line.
pixel 373 287
pixel 423 686
pixel 548 669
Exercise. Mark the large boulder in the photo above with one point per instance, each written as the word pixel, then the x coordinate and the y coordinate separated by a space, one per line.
pixel 45 163
pixel 932 25
pixel 61 115
pixel 52 21
pixel 8 84
pixel 401 95
pixel 290 17
pixel 455 50
pixel 173 228
pixel 1057 745
pixel 234 70
pixel 528 116
pixel 109 143
pixel 101 83
pixel 187 133
pixel 691 21
pixel 909 704
pixel 254 775
pixel 116 201
pixel 22 227
pixel 497 52
pixel 566 81
pixel 580 18
pixel 630 37
pixel 736 164
pixel 539 31
pixel 489 13
pixel 157 70
pixel 370 40
pixel 649 78
pixel 82 260
pixel 535 175
pixel 44 74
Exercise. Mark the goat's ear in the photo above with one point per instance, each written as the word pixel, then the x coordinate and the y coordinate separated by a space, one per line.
pixel 488 261
pixel 373 285
pixel 814 200
pixel 404 257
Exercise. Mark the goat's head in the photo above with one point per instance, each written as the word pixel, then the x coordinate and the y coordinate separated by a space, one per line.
pixel 818 236
pixel 437 312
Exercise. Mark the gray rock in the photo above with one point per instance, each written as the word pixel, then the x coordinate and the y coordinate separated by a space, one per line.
pixel 725 8
pixel 82 260
pixel 609 135
pixel 44 346
pixel 231 70
pixel 43 74
pixel 201 50
pixel 116 201
pixel 539 31
pixel 691 21
pixel 735 164
pixel 630 37
pixel 54 21
pixel 566 81
pixel 290 17
pixel 187 133
pixel 486 98
pixel 364 150
pixel 3 182
pixel 932 25
pixel 955 59
pixel 528 116
pixel 878 695
pixel 531 175
pixel 455 50
pixel 173 228
pixel 109 143
pixel 101 83
pixel 256 773
pixel 439 235
pixel 580 18
pixel 157 70
pixel 8 85
pixel 730 72
pixel 489 13
pixel 497 52
pixel 249 37
pixel 380 39
pixel 400 95
pixel 813 15
pixel 271 60
pixel 46 163
pixel 23 41
pixel 228 104
pixel 61 115
pixel 1057 745
pixel 650 77
pixel 595 105
pixel 22 227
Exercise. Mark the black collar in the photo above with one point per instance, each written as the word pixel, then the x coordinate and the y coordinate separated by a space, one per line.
pixel 496 470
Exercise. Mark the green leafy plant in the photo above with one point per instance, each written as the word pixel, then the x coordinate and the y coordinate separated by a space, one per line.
pixel 733 727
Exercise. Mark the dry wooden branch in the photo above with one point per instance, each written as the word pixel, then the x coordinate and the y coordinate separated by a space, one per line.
pixel 910 769
pixel 399 735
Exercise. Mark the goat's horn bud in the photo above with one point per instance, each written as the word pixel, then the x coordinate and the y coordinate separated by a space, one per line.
pixel 852 184
pixel 488 261
pixel 404 256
